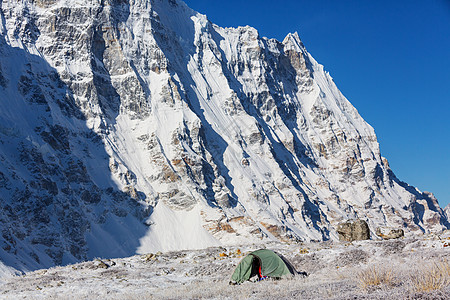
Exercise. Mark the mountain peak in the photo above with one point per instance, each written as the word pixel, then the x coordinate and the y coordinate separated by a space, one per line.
pixel 293 40
pixel 148 128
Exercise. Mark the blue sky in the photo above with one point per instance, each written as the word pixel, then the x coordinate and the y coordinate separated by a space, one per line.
pixel 391 59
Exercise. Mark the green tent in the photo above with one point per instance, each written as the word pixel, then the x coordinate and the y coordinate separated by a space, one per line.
pixel 263 263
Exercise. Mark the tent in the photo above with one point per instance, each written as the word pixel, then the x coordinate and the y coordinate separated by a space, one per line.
pixel 263 263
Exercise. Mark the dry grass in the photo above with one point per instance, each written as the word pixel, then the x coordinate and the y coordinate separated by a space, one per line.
pixel 374 276
pixel 431 277
pixel 362 271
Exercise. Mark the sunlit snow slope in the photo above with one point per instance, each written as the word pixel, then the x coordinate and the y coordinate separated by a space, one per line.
pixel 137 126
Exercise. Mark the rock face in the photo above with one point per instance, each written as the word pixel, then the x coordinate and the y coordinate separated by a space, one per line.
pixel 139 125
pixel 353 231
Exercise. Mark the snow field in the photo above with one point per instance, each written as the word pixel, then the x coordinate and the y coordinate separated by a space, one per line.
pixel 335 271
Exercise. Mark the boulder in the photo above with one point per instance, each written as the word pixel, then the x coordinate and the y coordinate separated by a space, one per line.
pixel 353 231
pixel 388 233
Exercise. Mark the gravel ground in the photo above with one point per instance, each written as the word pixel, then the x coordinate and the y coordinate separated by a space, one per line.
pixel 335 271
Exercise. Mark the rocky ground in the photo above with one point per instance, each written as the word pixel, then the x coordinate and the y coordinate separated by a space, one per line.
pixel 413 267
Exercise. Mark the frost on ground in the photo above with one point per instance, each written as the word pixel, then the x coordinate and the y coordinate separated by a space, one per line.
pixel 415 267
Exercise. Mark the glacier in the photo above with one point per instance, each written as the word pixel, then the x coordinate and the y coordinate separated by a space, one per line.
pixel 137 126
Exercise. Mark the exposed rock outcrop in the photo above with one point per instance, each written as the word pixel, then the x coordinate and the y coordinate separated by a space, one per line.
pixel 353 231
pixel 389 233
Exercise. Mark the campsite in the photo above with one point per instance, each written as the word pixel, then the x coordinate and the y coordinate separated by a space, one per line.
pixel 263 264
pixel 411 267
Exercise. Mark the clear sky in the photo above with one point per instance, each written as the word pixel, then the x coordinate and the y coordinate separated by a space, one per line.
pixel 391 59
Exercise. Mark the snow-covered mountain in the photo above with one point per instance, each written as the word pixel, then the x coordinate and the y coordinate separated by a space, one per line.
pixel 136 126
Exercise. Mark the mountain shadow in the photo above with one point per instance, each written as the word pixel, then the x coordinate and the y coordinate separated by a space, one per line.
pixel 58 202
